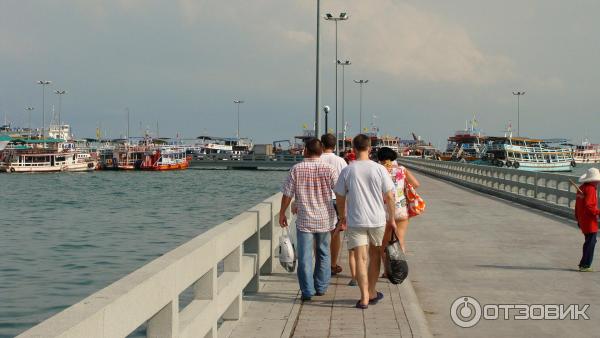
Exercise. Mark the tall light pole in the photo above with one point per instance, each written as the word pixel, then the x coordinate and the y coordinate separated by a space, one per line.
pixel 127 110
pixel 44 83
pixel 238 102
pixel 28 110
pixel 60 93
pixel 317 70
pixel 361 83
pixel 341 17
pixel 343 64
pixel 519 94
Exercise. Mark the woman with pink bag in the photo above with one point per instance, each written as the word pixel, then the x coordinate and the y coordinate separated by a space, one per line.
pixel 402 179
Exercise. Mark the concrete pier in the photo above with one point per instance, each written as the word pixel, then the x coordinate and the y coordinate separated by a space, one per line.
pixel 468 243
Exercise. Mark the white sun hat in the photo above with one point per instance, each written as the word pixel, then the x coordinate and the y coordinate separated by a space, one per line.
pixel 591 175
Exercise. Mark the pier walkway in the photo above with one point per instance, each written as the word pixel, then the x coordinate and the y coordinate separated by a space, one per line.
pixel 277 311
pixel 466 244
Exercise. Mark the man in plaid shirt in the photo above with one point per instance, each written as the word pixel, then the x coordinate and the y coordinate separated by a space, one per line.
pixel 311 183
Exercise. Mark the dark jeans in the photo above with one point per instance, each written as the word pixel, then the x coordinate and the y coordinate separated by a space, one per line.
pixel 588 250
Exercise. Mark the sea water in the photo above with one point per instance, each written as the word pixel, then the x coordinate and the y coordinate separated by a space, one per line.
pixel 65 236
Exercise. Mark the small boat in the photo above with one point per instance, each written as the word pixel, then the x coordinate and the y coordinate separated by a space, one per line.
pixel 166 158
pixel 527 154
pixel 586 153
pixel 44 155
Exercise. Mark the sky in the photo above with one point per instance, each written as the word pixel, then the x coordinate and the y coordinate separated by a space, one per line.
pixel 431 65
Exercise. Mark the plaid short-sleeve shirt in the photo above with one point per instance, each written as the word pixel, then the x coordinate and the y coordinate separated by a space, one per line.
pixel 310 183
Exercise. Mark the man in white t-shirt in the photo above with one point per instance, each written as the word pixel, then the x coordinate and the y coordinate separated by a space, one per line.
pixel 366 188
pixel 338 164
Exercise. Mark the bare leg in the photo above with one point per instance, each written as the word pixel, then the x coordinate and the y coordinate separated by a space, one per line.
pixel 362 275
pixel 374 268
pixel 401 232
pixel 336 245
pixel 352 263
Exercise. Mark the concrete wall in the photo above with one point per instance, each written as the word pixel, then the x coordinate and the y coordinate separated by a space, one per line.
pixel 549 192
pixel 245 244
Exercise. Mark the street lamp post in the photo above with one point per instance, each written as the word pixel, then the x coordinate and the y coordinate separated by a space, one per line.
pixel 317 70
pixel 238 102
pixel 28 110
pixel 518 94
pixel 361 83
pixel 326 110
pixel 341 17
pixel 60 93
pixel 343 64
pixel 44 83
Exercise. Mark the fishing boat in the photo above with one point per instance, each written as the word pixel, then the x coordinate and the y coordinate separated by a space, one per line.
pixel 209 146
pixel 166 158
pixel 44 155
pixel 466 145
pixel 586 153
pixel 527 154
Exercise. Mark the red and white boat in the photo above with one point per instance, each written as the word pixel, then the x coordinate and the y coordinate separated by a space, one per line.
pixel 166 158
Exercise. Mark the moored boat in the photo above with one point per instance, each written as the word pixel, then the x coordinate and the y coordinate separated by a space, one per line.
pixel 166 158
pixel 44 155
pixel 586 153
pixel 527 154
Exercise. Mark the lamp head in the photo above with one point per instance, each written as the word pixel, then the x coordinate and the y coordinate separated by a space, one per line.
pixel 328 16
pixel 326 109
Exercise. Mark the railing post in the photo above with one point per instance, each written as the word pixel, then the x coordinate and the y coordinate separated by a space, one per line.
pixel 165 324
pixel 252 246
pixel 206 289
pixel 270 233
pixel 233 263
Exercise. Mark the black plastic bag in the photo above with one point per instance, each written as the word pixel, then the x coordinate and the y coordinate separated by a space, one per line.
pixel 396 267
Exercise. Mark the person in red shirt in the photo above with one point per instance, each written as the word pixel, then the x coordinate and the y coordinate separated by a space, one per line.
pixel 586 212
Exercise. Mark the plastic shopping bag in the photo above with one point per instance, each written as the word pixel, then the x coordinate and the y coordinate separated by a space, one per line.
pixel 396 267
pixel 287 252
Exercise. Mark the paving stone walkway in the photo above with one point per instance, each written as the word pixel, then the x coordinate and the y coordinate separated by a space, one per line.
pixel 277 311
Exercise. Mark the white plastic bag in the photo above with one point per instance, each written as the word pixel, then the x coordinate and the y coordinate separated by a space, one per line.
pixel 287 251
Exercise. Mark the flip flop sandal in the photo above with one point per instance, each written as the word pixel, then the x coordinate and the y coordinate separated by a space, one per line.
pixel 376 299
pixel 361 306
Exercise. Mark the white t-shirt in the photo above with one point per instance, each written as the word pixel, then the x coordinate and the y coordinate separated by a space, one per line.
pixel 335 161
pixel 364 183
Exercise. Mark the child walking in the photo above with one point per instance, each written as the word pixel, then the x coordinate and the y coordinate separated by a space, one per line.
pixel 586 212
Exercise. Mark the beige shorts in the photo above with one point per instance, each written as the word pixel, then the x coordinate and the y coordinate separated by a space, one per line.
pixel 364 236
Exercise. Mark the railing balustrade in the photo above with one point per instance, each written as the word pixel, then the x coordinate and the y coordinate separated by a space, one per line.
pixel 245 246
pixel 550 192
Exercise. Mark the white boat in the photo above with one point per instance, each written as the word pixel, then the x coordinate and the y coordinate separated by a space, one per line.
pixel 586 153
pixel 49 155
pixel 527 154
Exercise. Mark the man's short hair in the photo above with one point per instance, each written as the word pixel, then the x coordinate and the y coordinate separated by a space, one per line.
pixel 361 142
pixel 386 153
pixel 328 141
pixel 314 147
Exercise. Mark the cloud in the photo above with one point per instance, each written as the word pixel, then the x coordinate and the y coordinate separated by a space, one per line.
pixel 299 37
pixel 405 41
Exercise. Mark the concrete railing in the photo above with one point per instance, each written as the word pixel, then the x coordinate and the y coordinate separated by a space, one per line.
pixel 549 192
pixel 244 247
